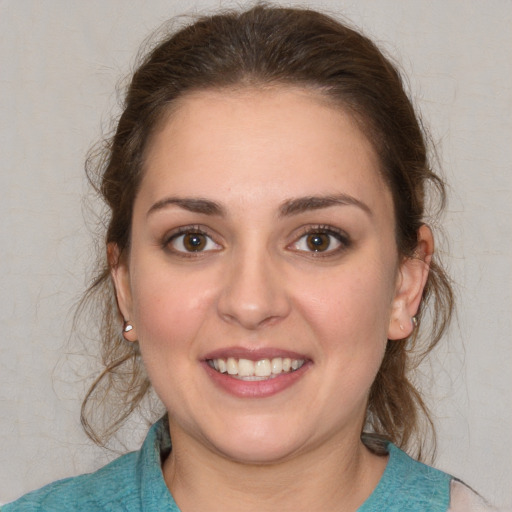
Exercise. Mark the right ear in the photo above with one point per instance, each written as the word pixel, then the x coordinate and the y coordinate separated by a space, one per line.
pixel 121 277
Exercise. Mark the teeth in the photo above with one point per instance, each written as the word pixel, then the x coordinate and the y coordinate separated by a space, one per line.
pixel 246 369
pixel 231 365
pixel 262 368
pixel 222 366
pixel 277 365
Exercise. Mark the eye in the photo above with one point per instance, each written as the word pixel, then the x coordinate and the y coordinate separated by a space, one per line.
pixel 318 242
pixel 321 240
pixel 192 241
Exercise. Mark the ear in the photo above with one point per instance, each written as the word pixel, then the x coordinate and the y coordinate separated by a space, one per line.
pixel 411 280
pixel 121 277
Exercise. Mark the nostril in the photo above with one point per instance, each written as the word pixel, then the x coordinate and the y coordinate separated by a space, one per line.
pixel 253 306
pixel 251 318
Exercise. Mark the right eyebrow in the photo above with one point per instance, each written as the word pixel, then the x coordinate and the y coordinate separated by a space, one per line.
pixel 196 205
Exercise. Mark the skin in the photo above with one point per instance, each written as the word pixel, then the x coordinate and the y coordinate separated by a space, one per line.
pixel 257 285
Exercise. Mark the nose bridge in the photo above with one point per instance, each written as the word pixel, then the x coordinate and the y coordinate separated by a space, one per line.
pixel 253 291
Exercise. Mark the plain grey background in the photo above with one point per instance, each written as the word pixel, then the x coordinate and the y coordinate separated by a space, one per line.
pixel 60 62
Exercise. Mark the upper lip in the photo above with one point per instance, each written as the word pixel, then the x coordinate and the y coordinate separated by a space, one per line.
pixel 253 354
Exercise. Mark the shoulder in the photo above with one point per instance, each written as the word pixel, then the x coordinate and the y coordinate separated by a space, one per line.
pixel 409 485
pixel 419 481
pixel 112 487
pixel 129 483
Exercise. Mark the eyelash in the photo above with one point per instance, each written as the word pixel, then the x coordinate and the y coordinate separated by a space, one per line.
pixel 189 230
pixel 340 237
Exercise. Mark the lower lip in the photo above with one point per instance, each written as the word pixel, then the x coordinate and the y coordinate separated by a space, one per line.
pixel 255 388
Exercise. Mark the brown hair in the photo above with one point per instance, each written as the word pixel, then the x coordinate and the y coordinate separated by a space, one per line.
pixel 267 46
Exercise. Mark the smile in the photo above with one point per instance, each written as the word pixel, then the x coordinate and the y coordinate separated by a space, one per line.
pixel 263 369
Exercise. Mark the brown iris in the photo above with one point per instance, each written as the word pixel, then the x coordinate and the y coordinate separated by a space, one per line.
pixel 194 242
pixel 318 242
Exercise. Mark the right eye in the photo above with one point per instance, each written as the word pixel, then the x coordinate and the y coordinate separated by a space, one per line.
pixel 192 242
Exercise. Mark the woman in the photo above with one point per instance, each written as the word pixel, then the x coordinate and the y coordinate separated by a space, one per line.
pixel 271 265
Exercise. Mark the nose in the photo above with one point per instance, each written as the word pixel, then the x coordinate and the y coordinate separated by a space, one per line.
pixel 254 291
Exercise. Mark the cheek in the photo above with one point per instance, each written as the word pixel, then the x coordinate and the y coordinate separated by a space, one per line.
pixel 352 303
pixel 169 315
pixel 349 313
pixel 169 308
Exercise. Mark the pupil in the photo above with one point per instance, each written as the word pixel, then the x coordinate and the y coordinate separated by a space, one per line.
pixel 318 242
pixel 194 242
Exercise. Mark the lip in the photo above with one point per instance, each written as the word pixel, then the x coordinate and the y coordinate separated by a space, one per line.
pixel 259 388
pixel 254 354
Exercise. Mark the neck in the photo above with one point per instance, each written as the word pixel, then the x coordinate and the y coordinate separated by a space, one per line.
pixel 338 475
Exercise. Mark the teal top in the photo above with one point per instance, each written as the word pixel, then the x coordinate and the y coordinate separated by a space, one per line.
pixel 134 483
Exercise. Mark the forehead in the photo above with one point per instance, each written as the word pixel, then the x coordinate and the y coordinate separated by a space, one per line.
pixel 277 142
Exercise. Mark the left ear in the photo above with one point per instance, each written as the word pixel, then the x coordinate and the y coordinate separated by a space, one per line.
pixel 411 280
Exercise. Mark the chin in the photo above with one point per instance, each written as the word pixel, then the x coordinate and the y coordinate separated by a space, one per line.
pixel 258 454
pixel 258 445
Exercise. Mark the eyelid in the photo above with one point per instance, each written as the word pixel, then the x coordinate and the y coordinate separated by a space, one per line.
pixel 341 236
pixel 184 230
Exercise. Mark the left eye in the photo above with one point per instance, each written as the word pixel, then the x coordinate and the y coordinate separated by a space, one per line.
pixel 193 242
pixel 318 242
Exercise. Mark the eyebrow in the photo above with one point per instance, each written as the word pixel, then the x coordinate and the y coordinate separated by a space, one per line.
pixel 308 203
pixel 196 205
pixel 288 208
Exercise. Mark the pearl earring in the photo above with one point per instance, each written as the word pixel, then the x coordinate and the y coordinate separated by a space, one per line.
pixel 127 327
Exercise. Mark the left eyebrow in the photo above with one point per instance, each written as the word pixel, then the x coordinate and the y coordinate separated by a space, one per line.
pixel 308 203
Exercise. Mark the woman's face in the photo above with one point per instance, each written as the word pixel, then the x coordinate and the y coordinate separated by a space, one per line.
pixel 263 279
